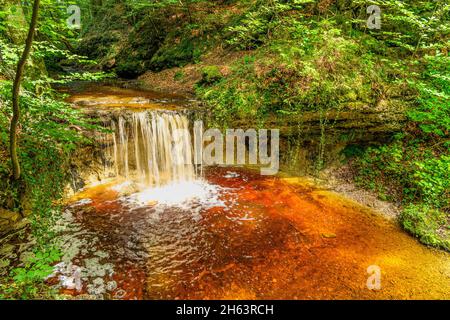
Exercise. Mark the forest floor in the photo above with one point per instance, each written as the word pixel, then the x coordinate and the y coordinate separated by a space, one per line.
pixel 182 80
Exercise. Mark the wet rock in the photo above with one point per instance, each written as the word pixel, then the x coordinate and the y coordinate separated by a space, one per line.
pixel 21 224
pixel 69 276
pixel 26 246
pixel 97 287
pixel 10 221
pixel 111 286
pixel 328 235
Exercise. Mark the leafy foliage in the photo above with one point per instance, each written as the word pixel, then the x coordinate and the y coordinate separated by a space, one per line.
pixel 50 131
pixel 429 225
pixel 210 75
pixel 28 282
pixel 252 29
pixel 433 113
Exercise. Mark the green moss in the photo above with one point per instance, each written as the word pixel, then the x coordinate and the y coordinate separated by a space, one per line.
pixel 179 75
pixel 430 226
pixel 171 55
pixel 210 75
pixel 98 46
pixel 130 69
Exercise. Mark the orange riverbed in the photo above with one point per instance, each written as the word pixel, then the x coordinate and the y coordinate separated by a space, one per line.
pixel 271 238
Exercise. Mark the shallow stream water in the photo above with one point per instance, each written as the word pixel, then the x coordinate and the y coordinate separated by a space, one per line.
pixel 232 233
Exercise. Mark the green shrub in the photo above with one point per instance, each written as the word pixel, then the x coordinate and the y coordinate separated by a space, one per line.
pixel 210 75
pixel 28 282
pixel 407 172
pixel 175 55
pixel 430 226
pixel 46 144
pixel 432 113
pixel 251 30
pixel 178 76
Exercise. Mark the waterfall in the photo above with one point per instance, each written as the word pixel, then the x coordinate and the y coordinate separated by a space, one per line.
pixel 150 148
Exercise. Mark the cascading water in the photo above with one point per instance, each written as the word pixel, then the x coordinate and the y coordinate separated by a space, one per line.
pixel 150 148
pixel 159 231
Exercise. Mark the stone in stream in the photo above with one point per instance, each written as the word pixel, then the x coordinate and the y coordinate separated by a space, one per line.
pixel 328 235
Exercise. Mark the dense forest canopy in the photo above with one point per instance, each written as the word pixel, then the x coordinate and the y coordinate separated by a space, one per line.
pixel 251 61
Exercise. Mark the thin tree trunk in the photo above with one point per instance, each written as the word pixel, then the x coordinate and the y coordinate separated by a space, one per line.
pixel 16 90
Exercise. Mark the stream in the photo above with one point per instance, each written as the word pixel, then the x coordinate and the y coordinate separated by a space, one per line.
pixel 154 227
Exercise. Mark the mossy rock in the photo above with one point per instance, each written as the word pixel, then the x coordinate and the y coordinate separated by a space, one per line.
pixel 171 55
pixel 211 75
pixel 130 69
pixel 135 58
pixel 429 225
pixel 97 46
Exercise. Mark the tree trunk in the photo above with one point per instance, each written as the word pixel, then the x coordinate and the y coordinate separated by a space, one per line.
pixel 16 92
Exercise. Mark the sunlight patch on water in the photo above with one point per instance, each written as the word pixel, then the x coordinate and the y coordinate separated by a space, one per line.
pixel 179 194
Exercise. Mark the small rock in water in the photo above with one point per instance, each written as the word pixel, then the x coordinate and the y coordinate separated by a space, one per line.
pixel 69 276
pixel 71 283
pixel 97 287
pixel 111 285
pixel 231 175
pixel 328 235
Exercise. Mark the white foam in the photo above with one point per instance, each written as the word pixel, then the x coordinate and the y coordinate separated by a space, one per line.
pixel 179 194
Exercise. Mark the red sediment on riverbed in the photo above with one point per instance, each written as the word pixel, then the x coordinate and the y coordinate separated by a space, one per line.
pixel 274 239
